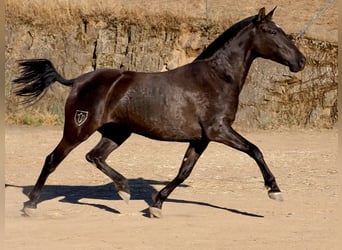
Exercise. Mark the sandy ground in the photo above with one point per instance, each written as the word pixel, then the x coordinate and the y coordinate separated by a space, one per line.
pixel 223 205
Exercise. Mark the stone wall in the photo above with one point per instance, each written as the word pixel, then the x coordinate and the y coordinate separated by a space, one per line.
pixel 273 97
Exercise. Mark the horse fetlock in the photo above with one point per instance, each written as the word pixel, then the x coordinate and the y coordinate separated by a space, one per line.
pixel 34 196
pixel 274 192
pixel 271 185
pixel 30 204
pixel 29 209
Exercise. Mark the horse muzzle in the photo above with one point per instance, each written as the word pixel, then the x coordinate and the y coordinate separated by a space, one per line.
pixel 298 65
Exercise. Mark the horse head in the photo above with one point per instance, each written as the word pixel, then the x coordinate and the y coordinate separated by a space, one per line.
pixel 271 42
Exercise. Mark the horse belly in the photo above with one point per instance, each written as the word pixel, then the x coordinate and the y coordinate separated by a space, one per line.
pixel 168 132
pixel 164 118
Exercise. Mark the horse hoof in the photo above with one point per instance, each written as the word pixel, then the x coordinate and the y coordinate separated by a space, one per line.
pixel 155 212
pixel 29 212
pixel 125 196
pixel 275 196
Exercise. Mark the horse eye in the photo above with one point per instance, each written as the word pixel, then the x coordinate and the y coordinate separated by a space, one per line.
pixel 273 32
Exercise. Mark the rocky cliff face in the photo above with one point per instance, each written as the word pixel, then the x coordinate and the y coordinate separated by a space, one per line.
pixel 273 97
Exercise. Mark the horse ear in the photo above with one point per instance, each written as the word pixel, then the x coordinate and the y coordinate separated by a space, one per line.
pixel 270 14
pixel 261 14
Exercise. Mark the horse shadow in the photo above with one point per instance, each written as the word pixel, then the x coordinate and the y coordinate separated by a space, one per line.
pixel 141 189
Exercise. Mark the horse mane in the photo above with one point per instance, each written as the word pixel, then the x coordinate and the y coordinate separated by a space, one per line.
pixel 224 37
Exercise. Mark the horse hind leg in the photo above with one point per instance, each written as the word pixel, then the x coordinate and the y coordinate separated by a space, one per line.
pixel 98 155
pixel 190 158
pixel 51 163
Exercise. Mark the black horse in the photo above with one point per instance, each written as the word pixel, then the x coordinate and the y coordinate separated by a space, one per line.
pixel 195 103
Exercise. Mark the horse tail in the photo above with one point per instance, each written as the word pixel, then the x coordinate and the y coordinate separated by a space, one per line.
pixel 36 76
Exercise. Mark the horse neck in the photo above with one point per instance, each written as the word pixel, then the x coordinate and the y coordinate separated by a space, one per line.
pixel 234 59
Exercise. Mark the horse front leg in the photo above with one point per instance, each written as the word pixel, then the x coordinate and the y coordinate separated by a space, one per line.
pixel 228 136
pixel 190 158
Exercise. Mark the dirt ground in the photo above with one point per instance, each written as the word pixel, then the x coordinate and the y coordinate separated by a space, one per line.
pixel 223 205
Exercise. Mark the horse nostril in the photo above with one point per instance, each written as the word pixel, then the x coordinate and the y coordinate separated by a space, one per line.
pixel 302 61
